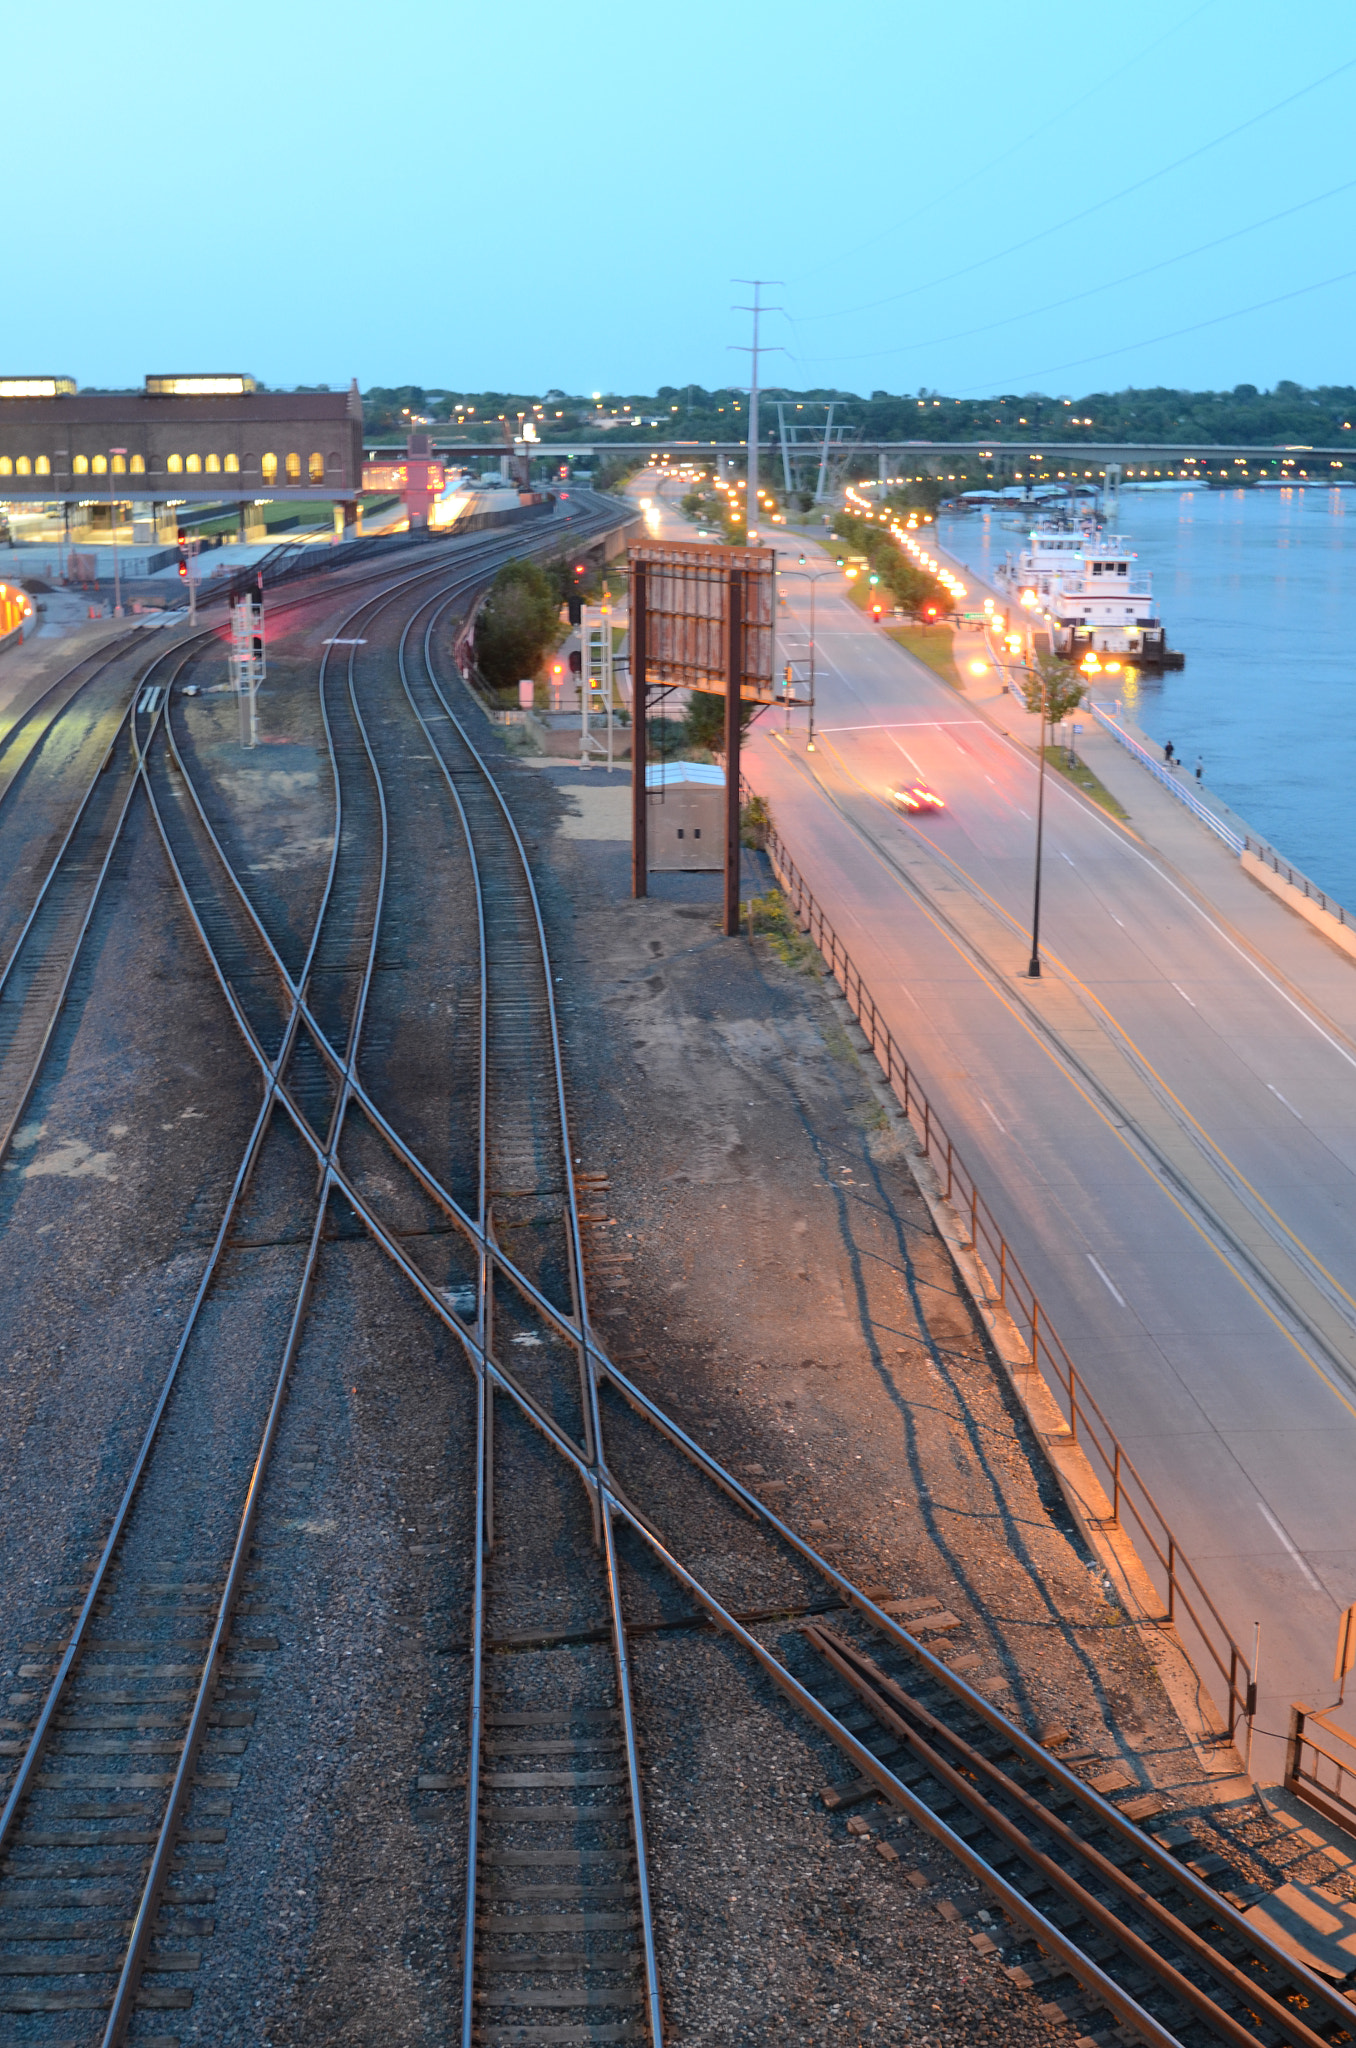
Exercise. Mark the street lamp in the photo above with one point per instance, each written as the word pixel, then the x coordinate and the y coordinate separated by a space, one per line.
pixel 806 577
pixel 1034 964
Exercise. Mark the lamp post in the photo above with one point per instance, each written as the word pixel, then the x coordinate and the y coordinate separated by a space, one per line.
pixel 113 455
pixel 805 577
pixel 1034 965
pixel 1039 675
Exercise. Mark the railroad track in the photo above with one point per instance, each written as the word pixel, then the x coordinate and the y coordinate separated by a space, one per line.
pixel 558 1936
pixel 129 1686
pixel 1113 1968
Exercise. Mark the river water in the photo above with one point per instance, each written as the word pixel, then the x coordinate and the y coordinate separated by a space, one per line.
pixel 1258 588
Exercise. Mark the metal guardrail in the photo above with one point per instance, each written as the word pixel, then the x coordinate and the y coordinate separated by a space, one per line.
pixel 1297 880
pixel 1320 1768
pixel 1162 773
pixel 1176 1577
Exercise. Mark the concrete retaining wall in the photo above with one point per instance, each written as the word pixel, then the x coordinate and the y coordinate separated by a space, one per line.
pixel 1322 920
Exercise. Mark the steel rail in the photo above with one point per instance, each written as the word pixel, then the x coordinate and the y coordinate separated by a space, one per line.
pixel 129 1980
pixel 486 1249
pixel 594 1426
pixel 1049 1937
pixel 30 711
pixel 476 1231
pixel 492 1374
pixel 18 1790
pixel 893 1707
pixel 143 1926
pixel 125 1994
pixel 126 722
pixel 273 1071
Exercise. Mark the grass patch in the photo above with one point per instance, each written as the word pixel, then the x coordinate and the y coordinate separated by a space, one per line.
pixel 933 645
pixel 1084 779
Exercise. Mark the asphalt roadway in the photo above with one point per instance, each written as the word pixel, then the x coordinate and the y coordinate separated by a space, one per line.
pixel 1164 1123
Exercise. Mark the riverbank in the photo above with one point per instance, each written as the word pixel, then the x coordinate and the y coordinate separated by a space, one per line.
pixel 1254 587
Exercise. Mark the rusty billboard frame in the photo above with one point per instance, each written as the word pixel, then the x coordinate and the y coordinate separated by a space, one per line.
pixel 687 604
pixel 702 618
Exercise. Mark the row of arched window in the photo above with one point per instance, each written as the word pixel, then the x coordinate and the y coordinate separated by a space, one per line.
pixel 176 465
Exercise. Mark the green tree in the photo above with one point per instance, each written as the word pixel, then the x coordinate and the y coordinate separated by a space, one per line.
pixel 1056 683
pixel 517 625
pixel 705 722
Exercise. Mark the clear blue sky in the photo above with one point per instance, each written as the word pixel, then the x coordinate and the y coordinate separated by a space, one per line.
pixel 520 196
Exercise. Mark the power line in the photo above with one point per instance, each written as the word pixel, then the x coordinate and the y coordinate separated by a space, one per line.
pixel 1106 285
pixel 1216 320
pixel 1057 120
pixel 1098 205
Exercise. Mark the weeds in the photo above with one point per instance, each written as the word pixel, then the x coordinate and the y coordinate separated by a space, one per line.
pixel 771 916
pixel 755 823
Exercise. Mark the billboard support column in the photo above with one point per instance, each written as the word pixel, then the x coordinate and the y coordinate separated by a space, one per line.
pixel 640 817
pixel 734 675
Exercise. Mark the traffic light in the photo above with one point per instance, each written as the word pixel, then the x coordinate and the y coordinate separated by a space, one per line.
pixel 877 609
pixel 873 579
pixel 839 560
pixel 802 560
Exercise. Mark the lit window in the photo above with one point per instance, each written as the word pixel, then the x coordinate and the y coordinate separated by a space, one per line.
pixel 138 465
pixel 100 465
pixel 193 464
pixel 119 465
pixel 294 469
pixel 175 465
pixel 232 465
pixel 317 468
pixel 6 466
pixel 81 465
pixel 43 466
pixel 23 467
pixel 213 465
pixel 270 468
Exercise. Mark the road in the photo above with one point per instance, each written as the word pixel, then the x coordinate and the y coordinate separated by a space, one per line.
pixel 1164 1123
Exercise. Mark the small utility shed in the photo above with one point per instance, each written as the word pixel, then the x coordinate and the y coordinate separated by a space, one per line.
pixel 687 814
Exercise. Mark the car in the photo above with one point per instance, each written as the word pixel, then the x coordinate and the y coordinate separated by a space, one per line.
pixel 916 798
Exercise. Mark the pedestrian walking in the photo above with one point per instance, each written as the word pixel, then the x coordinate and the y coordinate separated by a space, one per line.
pixel 1199 767
pixel 1168 754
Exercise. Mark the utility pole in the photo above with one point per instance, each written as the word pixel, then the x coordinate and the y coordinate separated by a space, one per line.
pixel 757 309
